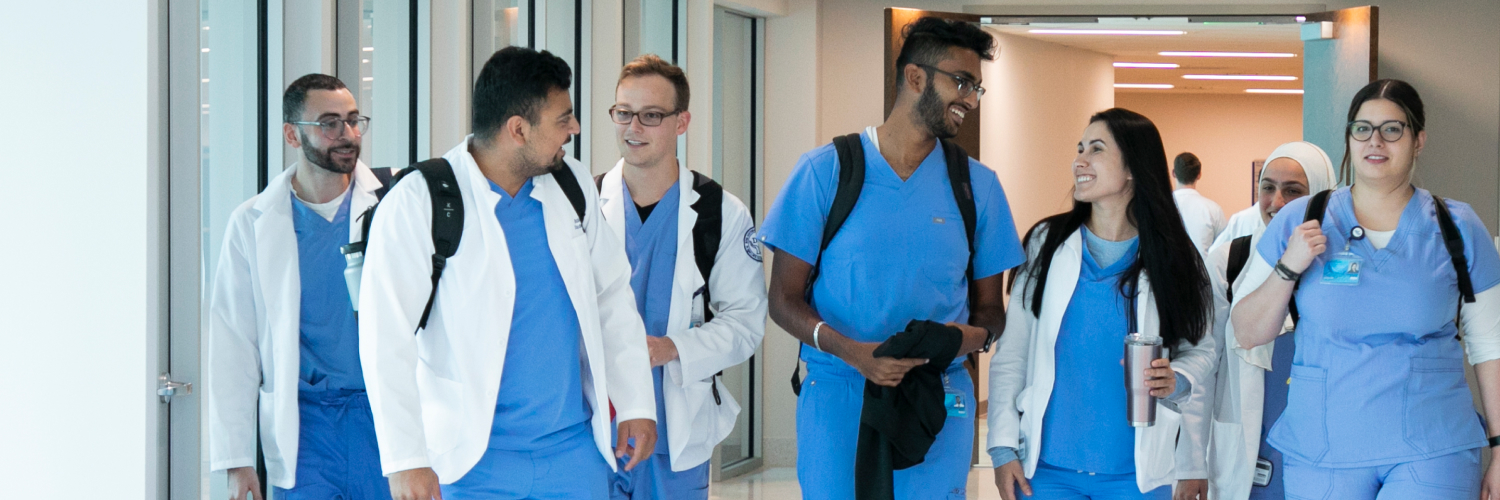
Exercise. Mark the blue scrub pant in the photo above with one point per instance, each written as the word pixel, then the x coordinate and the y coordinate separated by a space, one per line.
pixel 1453 476
pixel 1055 483
pixel 572 469
pixel 828 435
pixel 336 454
pixel 653 479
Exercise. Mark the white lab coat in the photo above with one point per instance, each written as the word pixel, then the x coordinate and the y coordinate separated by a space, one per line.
pixel 737 283
pixel 433 393
pixel 1022 372
pixel 1241 392
pixel 254 330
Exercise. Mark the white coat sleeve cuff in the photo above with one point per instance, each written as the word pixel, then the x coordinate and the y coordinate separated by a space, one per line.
pixel 231 463
pixel 1481 322
pixel 625 416
pixel 406 464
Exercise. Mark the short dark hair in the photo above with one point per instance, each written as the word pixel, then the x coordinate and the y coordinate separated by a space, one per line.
pixel 295 97
pixel 515 82
pixel 927 41
pixel 650 64
pixel 1187 168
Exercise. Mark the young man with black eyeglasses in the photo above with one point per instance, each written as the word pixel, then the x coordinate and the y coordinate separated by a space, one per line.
pixel 697 276
pixel 283 338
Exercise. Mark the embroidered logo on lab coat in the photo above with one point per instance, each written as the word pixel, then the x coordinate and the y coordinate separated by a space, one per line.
pixel 752 244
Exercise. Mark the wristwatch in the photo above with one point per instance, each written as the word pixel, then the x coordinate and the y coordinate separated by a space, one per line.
pixel 989 338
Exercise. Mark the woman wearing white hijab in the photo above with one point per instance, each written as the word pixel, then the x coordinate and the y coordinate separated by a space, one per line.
pixel 1248 396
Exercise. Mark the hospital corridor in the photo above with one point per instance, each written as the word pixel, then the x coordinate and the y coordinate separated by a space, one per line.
pixel 750 250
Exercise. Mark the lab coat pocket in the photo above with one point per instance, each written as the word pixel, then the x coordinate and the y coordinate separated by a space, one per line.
pixel 1305 422
pixel 442 409
pixel 1438 412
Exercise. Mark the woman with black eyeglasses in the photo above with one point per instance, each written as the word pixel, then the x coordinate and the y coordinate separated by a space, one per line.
pixel 1378 407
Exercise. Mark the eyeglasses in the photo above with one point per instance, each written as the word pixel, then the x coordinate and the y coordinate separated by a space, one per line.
pixel 333 128
pixel 648 118
pixel 965 85
pixel 1390 131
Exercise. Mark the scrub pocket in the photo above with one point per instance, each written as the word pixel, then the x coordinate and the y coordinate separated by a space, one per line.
pixel 1439 406
pixel 1303 428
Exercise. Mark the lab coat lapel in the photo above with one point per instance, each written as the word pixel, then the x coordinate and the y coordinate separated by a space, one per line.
pixel 612 199
pixel 363 195
pixel 276 269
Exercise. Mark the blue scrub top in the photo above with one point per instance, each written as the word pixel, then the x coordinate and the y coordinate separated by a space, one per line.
pixel 1378 373
pixel 329 333
pixel 902 252
pixel 651 246
pixel 1088 397
pixel 540 403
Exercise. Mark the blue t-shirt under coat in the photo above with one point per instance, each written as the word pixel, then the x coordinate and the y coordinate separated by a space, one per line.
pixel 1085 426
pixel 541 399
pixel 329 333
pixel 651 246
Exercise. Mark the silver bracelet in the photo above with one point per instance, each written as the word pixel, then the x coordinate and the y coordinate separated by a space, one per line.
pixel 815 335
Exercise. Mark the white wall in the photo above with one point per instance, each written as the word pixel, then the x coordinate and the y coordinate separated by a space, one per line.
pixel 1226 131
pixel 75 350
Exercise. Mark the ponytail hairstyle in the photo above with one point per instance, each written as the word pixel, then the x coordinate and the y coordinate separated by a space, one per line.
pixel 1167 255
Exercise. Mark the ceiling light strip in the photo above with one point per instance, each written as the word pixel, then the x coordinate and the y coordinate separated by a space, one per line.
pixel 1274 91
pixel 1108 32
pixel 1263 78
pixel 1224 54
pixel 1144 86
pixel 1147 65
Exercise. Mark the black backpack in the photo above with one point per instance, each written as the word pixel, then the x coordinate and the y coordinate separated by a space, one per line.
pixel 707 231
pixel 851 154
pixel 1239 250
pixel 447 212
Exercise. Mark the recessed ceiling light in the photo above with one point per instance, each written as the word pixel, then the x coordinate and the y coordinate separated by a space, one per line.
pixel 1267 78
pixel 1274 91
pixel 1146 65
pixel 1143 86
pixel 1225 54
pixel 1108 32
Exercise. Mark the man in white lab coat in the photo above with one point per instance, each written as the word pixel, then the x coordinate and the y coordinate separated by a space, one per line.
pixel 1202 217
pixel 533 330
pixel 283 338
pixel 697 327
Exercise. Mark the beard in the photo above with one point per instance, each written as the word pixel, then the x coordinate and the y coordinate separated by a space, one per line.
pixel 535 163
pixel 934 114
pixel 323 158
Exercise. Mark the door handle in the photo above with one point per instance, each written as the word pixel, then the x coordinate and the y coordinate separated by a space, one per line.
pixel 168 388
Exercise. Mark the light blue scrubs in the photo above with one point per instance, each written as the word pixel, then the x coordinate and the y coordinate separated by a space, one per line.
pixel 337 455
pixel 651 246
pixel 900 256
pixel 1377 379
pixel 541 444
pixel 1088 448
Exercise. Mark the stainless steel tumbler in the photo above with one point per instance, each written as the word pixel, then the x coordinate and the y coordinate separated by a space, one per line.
pixel 1140 351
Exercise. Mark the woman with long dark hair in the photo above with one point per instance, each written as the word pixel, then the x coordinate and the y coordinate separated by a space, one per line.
pixel 1378 407
pixel 1057 393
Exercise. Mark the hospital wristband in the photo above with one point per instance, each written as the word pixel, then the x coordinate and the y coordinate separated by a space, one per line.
pixel 815 335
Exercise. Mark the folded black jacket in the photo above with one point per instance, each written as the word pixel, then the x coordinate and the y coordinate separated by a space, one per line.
pixel 899 424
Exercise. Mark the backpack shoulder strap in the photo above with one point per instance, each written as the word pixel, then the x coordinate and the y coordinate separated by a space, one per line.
pixel 1316 206
pixel 851 154
pixel 570 187
pixel 963 193
pixel 708 229
pixel 1454 240
pixel 447 219
pixel 599 182
pixel 1239 255
pixel 384 176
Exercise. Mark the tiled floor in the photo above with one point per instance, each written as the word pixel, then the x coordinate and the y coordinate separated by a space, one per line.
pixel 781 484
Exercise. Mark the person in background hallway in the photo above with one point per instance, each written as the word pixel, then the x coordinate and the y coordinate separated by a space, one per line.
pixel 1058 428
pixel 534 332
pixel 282 334
pixel 1377 406
pixel 697 328
pixel 901 255
pixel 1251 393
pixel 1203 218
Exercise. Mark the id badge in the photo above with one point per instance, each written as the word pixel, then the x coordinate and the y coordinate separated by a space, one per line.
pixel 1342 269
pixel 1263 470
pixel 953 400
